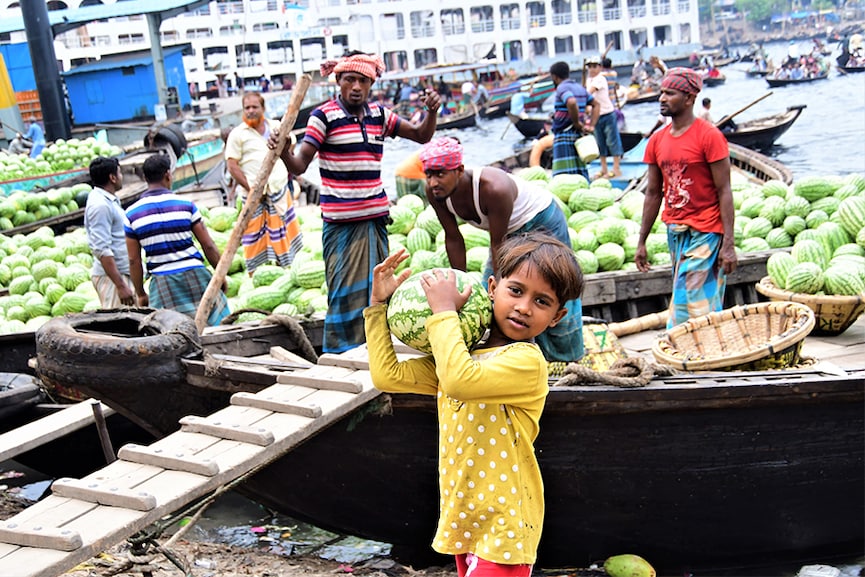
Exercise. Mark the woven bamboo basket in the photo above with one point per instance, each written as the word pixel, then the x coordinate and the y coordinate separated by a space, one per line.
pixel 751 337
pixel 833 313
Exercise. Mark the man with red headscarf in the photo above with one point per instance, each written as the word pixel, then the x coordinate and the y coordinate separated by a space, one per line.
pixel 689 169
pixel 348 134
pixel 493 200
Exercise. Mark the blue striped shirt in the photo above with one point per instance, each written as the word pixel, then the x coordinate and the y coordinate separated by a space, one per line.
pixel 162 223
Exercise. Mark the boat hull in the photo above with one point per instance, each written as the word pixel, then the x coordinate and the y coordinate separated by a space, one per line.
pixel 778 82
pixel 761 133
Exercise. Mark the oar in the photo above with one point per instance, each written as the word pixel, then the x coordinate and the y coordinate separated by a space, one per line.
pixel 251 204
pixel 729 117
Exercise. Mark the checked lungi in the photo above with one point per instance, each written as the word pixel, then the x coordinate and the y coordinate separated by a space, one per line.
pixel 699 280
pixel 273 233
pixel 351 250
pixel 182 291
pixel 565 157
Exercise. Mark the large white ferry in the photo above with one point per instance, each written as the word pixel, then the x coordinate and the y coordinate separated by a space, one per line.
pixel 233 41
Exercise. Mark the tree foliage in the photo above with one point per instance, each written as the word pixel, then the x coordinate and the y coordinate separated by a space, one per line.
pixel 758 10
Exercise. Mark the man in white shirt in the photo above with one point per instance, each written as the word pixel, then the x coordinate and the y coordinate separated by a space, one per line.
pixel 607 129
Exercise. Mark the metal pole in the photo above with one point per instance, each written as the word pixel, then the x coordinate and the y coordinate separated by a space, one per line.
pixel 40 41
pixel 154 20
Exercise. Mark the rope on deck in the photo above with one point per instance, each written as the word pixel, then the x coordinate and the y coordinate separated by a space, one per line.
pixel 631 372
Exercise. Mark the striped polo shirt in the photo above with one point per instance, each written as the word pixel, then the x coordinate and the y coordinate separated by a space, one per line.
pixel 162 223
pixel 349 159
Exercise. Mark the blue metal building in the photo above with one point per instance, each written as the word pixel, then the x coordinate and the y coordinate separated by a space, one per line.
pixel 123 87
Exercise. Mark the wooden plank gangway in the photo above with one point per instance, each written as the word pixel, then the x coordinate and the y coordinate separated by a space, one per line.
pixel 83 517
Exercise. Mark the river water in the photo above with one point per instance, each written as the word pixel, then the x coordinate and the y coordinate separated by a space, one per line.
pixel 826 139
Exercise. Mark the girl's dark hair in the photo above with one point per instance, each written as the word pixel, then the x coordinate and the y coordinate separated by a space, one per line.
pixel 553 260
pixel 101 169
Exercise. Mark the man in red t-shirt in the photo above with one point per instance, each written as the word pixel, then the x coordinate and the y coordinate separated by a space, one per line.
pixel 689 169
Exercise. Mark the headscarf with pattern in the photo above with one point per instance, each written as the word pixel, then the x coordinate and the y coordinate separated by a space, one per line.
pixel 369 65
pixel 683 79
pixel 442 154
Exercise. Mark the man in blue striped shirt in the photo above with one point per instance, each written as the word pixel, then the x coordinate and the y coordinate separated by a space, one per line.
pixel 164 225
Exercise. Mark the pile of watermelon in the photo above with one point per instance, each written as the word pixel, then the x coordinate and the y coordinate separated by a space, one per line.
pixel 59 156
pixel 21 208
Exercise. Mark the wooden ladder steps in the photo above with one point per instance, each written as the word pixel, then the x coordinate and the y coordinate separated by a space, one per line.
pixel 82 517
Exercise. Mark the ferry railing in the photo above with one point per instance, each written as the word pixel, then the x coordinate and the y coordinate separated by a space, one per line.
pixel 422 31
pixel 510 23
pixel 684 7
pixel 484 26
pixel 562 18
pixel 451 29
pixel 637 11
pixel 612 13
pixel 537 21
pixel 661 8
pixel 587 16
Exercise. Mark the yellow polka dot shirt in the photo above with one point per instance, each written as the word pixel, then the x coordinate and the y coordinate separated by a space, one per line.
pixel 489 404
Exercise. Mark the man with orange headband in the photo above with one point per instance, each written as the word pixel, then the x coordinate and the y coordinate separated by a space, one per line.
pixel 689 169
pixel 496 201
pixel 348 134
pixel 273 233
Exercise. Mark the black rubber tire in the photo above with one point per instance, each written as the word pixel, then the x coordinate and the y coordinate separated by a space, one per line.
pixel 131 346
pixel 170 135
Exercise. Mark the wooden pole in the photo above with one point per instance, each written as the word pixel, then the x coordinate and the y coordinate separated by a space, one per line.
pixel 251 204
pixel 729 117
pixel 652 321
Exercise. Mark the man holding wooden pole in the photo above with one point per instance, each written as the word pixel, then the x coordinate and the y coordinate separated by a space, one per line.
pixel 348 135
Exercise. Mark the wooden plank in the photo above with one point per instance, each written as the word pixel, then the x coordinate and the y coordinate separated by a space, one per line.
pixel 177 462
pixel 287 356
pixel 323 377
pixel 270 404
pixel 231 431
pixel 48 428
pixel 39 536
pixel 266 362
pixel 104 494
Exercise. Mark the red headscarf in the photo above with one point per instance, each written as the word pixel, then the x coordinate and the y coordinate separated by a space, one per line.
pixel 369 65
pixel 442 154
pixel 683 79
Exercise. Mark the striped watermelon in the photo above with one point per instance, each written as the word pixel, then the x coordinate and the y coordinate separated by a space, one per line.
pixel 408 311
pixel 754 244
pixel 833 236
pixel 418 239
pixel 779 238
pixel 778 266
pixel 813 187
pixel 856 180
pixel 794 225
pixel 828 204
pixel 851 213
pixel 774 188
pixel 842 280
pixel 849 248
pixel 413 202
pixel 429 221
pixel 846 191
pixel 860 237
pixel 759 227
pixel 805 277
pixel 797 206
pixel 815 218
pixel 810 251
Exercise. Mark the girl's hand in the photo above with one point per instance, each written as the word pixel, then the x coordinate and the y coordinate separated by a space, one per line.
pixel 440 287
pixel 384 278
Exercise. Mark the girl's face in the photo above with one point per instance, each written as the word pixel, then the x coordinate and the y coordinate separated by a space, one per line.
pixel 524 306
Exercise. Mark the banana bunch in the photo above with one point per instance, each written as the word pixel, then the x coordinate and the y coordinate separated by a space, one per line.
pixel 628 565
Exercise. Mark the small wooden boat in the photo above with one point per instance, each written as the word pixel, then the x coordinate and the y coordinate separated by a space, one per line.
pixel 714 80
pixel 761 133
pixel 538 89
pixel 758 72
pixel 641 97
pixel 777 82
pixel 530 126
pixel 851 69
pixel 19 393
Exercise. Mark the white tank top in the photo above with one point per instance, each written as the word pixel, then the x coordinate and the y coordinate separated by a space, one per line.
pixel 531 200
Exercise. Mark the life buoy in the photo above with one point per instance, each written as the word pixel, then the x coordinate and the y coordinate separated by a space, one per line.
pixel 538 149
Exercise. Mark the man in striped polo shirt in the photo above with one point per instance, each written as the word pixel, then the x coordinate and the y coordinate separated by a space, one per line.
pixel 348 134
pixel 163 224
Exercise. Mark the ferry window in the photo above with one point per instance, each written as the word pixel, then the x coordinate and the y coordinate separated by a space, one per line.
pixel 422 23
pixel 537 14
pixel 247 54
pixel 538 47
pixel 397 60
pixel 90 3
pixel 199 33
pixel 637 9
pixel 424 57
pixel 564 44
pixel 170 35
pixel 392 26
pixel 685 33
pixel 663 35
pixel 587 11
pixel 312 49
pixel 57 5
pixel 588 42
pixel 512 50
pixel 562 12
pixel 453 22
pixel 482 18
pixel 130 38
pixel 362 23
pixel 510 14
pixel 261 27
pixel 216 57
pixel 612 10
pixel 639 37
pixel 615 38
pixel 280 52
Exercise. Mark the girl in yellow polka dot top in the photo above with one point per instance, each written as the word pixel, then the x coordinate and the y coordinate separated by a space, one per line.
pixel 489 399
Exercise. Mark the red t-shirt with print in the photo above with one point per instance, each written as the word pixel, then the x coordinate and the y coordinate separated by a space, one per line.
pixel 690 196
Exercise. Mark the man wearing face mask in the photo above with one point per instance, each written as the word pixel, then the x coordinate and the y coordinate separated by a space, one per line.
pixel 348 135
pixel 273 233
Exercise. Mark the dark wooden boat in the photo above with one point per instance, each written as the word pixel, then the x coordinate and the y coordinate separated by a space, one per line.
pixel 714 80
pixel 851 69
pixel 19 393
pixel 530 126
pixel 457 120
pixel 761 133
pixel 538 90
pixel 777 82
pixel 691 473
pixel 651 96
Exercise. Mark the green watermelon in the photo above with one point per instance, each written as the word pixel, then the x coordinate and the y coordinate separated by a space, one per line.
pixel 794 224
pixel 778 266
pixel 779 238
pixel 418 239
pixel 797 206
pixel 856 180
pixel 759 227
pixel 842 280
pixel 851 213
pixel 805 277
pixel 587 260
pixel 828 204
pixel 813 187
pixel 408 311
pixel 755 244
pixel 610 256
pixel 810 251
pixel 774 188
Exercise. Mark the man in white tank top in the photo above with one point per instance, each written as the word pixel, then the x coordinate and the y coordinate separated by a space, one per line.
pixel 494 200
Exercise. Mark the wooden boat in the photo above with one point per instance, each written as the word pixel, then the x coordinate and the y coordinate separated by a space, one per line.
pixel 714 80
pixel 538 89
pixel 851 69
pixel 19 393
pixel 530 126
pixel 452 121
pixel 625 469
pixel 761 133
pixel 641 97
pixel 776 82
